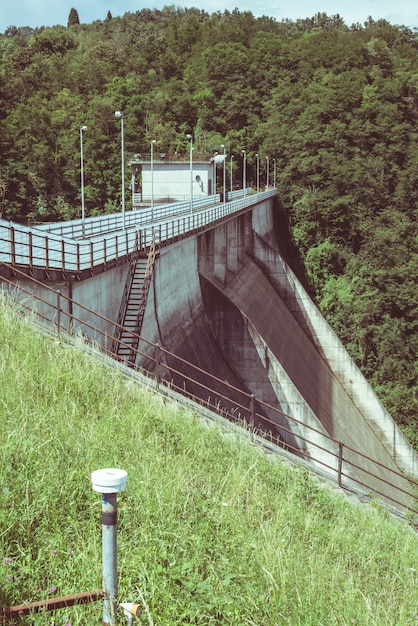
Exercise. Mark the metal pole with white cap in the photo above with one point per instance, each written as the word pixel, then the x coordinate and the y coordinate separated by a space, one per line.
pixel 109 482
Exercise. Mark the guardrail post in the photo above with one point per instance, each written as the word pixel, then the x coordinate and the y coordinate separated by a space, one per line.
pixel 157 363
pixel 340 462
pixel 91 258
pixel 63 258
pixel 59 310
pixel 13 245
pixel 31 253
pixel 252 407
pixel 46 254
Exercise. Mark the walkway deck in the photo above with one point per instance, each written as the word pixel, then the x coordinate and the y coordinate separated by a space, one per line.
pixel 73 250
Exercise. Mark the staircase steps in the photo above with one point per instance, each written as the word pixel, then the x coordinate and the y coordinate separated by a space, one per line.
pixel 133 305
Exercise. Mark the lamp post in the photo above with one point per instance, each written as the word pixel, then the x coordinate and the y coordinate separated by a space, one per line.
pixel 120 115
pixel 152 179
pixel 258 172
pixel 267 172
pixel 224 181
pixel 232 158
pixel 274 173
pixel 83 216
pixel 244 172
pixel 190 138
pixel 214 173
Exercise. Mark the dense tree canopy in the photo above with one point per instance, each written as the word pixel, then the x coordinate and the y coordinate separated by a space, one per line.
pixel 335 106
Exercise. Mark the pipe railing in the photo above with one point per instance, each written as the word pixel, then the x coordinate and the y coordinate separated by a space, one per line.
pixel 101 224
pixel 21 246
pixel 349 467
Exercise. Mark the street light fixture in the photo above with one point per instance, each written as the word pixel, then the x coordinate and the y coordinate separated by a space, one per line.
pixel 152 179
pixel 224 182
pixel 120 115
pixel 83 215
pixel 244 172
pixel 190 138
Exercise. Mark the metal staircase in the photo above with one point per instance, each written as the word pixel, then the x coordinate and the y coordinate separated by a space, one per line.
pixel 134 300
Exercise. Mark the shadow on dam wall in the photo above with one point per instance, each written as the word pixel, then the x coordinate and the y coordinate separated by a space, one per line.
pixel 238 329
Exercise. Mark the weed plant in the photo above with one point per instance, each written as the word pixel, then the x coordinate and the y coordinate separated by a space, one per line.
pixel 210 530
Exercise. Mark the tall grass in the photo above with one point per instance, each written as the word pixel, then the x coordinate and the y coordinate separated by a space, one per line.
pixel 210 530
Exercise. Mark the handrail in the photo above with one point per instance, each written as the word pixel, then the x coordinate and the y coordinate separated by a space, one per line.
pixel 101 224
pixel 221 397
pixel 22 246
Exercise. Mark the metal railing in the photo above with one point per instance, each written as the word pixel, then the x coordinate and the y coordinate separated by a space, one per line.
pixel 351 469
pixel 32 248
pixel 102 224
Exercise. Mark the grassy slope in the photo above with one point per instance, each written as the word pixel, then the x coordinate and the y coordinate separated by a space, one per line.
pixel 210 530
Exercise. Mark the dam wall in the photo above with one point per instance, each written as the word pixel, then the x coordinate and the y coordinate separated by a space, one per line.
pixel 226 301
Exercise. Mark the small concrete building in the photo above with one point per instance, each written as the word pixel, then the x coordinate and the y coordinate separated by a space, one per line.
pixel 169 180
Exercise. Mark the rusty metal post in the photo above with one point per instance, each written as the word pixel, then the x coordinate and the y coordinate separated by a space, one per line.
pixel 340 462
pixel 157 364
pixel 59 311
pixel 252 408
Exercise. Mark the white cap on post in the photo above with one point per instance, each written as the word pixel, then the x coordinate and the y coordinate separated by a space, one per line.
pixel 109 480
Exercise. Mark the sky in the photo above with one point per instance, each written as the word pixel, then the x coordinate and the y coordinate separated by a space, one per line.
pixel 36 13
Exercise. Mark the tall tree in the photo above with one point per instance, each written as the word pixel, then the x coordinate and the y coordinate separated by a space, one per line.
pixel 73 17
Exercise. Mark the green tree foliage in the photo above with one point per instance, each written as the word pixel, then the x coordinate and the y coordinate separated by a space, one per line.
pixel 73 17
pixel 336 106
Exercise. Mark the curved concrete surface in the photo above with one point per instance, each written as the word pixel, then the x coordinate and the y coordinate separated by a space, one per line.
pixel 216 301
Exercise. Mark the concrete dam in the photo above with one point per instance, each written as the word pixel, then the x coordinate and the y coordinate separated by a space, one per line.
pixel 225 300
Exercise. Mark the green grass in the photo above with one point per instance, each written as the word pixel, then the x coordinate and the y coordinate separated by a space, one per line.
pixel 210 530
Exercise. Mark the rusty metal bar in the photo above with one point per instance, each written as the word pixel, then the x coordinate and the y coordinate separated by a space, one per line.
pixel 50 604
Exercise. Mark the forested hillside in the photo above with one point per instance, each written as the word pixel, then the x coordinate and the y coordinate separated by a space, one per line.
pixel 335 105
